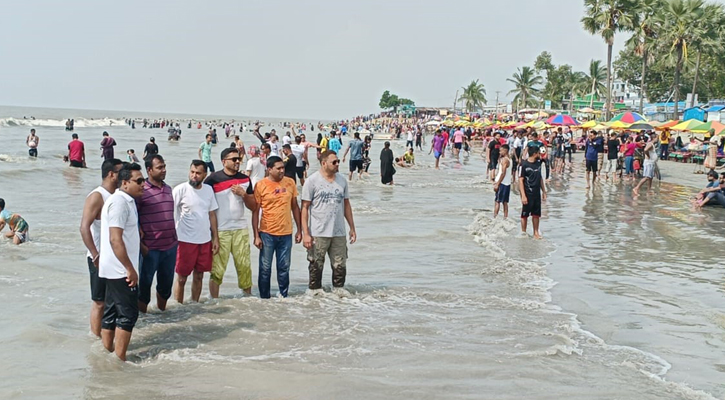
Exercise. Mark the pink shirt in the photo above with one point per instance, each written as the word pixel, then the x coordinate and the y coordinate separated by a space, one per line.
pixel 458 137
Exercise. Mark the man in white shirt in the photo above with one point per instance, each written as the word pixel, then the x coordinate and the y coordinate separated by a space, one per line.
pixel 567 142
pixel 119 257
pixel 196 228
pixel 91 235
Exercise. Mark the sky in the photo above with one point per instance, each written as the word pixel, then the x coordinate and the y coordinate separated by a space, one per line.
pixel 321 59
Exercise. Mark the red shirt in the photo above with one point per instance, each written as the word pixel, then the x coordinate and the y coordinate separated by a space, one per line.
pixel 76 150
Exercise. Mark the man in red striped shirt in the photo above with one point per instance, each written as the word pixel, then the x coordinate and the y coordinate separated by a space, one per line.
pixel 159 243
pixel 233 191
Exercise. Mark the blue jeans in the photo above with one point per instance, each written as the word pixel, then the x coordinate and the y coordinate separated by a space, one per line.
pixel 282 247
pixel 628 165
pixel 162 264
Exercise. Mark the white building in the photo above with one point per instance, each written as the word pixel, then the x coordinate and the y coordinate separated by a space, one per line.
pixel 623 92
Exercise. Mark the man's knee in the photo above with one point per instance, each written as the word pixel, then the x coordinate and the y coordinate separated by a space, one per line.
pixel 198 275
pixel 181 279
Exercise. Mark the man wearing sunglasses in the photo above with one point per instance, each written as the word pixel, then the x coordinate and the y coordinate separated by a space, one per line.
pixel 325 207
pixel 119 257
pixel 233 191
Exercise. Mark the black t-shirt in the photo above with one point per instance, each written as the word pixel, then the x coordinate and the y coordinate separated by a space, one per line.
pixel 531 172
pixel 612 149
pixel 494 146
pixel 151 149
pixel 290 167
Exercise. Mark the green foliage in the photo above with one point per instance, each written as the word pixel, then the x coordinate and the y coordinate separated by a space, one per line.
pixel 388 101
pixel 526 87
pixel 474 95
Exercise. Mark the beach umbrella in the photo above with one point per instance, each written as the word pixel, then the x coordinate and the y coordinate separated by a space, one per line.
pixel 618 125
pixel 433 123
pixel 589 124
pixel 704 128
pixel 687 125
pixel 586 110
pixel 628 117
pixel 562 120
pixel 668 124
pixel 599 127
pixel 641 126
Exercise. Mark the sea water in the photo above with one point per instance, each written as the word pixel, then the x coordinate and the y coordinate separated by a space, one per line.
pixel 621 300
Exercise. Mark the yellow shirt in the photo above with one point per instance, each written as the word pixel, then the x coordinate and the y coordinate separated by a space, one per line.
pixel 323 143
pixel 665 138
pixel 409 158
pixel 275 199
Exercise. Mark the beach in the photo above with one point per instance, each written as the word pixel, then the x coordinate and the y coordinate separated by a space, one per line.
pixel 621 299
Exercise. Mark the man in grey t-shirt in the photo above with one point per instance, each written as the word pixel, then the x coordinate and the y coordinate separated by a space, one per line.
pixel 325 207
pixel 355 147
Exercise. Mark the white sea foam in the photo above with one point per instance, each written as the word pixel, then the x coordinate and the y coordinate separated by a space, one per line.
pixel 78 123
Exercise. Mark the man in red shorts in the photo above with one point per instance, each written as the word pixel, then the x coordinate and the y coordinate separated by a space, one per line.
pixel 196 228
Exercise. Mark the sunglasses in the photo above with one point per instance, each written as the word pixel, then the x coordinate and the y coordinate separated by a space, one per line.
pixel 234 159
pixel 335 162
pixel 139 181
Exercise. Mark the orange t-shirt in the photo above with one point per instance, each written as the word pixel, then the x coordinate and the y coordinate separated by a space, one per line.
pixel 275 199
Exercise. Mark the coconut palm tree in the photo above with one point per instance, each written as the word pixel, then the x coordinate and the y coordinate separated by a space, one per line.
pixel 681 26
pixel 643 41
pixel 525 82
pixel 474 95
pixel 709 38
pixel 606 18
pixel 595 80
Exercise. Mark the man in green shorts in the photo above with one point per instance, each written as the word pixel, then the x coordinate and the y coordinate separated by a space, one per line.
pixel 16 223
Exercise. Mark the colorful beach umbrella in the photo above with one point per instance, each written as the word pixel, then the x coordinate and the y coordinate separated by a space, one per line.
pixel 618 125
pixel 586 110
pixel 589 124
pixel 667 125
pixel 628 117
pixel 641 126
pixel 562 120
pixel 687 125
pixel 704 128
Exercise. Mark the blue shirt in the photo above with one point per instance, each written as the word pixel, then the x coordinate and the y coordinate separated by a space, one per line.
pixel 334 145
pixel 591 153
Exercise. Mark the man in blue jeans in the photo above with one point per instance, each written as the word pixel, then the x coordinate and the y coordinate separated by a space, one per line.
pixel 159 242
pixel 276 197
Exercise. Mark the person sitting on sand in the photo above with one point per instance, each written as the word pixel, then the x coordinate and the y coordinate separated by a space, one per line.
pixel 713 193
pixel 409 157
pixel 16 223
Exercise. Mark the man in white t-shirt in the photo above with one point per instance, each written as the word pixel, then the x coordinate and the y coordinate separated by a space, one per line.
pixel 300 153
pixel 119 257
pixel 256 170
pixel 287 138
pixel 196 228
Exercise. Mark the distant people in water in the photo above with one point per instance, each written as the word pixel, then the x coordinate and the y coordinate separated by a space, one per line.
pixel 32 141
pixel 17 225
pixel 69 124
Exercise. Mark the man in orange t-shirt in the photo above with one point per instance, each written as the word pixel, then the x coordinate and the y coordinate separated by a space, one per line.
pixel 276 196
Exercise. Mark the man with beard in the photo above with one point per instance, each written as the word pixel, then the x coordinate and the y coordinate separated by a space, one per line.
pixel 196 228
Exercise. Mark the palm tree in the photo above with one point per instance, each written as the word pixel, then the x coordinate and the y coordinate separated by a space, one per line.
pixel 681 25
pixel 606 18
pixel 525 82
pixel 644 39
pixel 709 38
pixel 595 80
pixel 475 95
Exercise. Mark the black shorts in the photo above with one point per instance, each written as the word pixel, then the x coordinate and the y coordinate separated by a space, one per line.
pixel 458 145
pixel 98 284
pixel 356 165
pixel 533 206
pixel 592 165
pixel 300 172
pixel 76 164
pixel 121 305
pixel 493 165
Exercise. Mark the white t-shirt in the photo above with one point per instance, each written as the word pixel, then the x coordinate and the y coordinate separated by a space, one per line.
pixel 119 211
pixel 275 148
pixel 298 150
pixel 191 213
pixel 410 136
pixel 286 140
pixel 256 170
pixel 96 225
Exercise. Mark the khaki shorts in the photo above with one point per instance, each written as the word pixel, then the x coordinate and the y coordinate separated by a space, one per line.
pixel 235 243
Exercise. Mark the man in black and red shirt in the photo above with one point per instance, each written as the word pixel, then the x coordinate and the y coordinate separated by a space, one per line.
pixel 233 191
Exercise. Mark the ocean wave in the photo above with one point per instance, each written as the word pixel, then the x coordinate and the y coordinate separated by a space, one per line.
pixel 78 123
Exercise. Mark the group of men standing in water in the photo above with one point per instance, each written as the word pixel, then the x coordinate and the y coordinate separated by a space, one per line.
pixel 135 228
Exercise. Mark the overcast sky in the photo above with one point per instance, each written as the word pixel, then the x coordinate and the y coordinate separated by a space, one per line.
pixel 304 59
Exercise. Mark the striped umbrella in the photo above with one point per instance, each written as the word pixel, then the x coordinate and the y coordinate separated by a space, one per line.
pixel 562 120
pixel 704 128
pixel 628 117
pixel 687 125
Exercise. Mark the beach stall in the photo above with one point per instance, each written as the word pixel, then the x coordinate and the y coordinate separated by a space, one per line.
pixel 696 113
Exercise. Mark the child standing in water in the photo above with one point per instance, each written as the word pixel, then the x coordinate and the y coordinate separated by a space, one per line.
pixel 16 223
